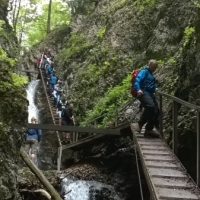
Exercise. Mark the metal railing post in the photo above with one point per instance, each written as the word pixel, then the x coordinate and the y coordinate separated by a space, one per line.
pixel 59 158
pixel 198 147
pixel 161 115
pixel 175 127
pixel 76 136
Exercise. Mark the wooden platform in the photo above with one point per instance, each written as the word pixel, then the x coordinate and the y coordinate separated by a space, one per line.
pixel 166 177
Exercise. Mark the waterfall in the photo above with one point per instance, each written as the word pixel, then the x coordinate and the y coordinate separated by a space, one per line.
pixel 87 190
pixel 32 109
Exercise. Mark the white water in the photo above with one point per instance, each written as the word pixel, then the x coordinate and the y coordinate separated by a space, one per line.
pixel 32 109
pixel 80 190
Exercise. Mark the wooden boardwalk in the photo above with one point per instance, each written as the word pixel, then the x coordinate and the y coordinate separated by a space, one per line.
pixel 166 177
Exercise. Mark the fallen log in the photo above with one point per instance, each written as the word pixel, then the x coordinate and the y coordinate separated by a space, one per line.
pixel 54 194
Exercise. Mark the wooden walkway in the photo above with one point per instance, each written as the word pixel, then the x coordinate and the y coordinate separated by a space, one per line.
pixel 166 177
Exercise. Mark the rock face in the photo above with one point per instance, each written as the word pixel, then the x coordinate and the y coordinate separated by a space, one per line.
pixel 13 112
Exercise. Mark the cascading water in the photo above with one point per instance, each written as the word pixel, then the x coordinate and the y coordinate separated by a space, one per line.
pixel 87 190
pixel 32 109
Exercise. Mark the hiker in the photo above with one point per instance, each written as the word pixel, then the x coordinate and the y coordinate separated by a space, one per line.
pixel 44 57
pixel 53 79
pixel 145 86
pixel 57 92
pixel 33 136
pixel 38 61
pixel 48 54
pixel 49 68
pixel 67 120
pixel 62 104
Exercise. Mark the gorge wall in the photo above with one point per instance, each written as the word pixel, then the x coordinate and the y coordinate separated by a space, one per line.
pixel 13 110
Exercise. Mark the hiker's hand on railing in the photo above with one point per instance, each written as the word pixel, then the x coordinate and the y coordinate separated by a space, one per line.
pixel 139 93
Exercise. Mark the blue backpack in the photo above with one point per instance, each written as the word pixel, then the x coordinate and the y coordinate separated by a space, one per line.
pixel 53 79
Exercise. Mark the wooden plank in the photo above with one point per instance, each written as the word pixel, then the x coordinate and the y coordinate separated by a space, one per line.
pixel 75 129
pixel 165 175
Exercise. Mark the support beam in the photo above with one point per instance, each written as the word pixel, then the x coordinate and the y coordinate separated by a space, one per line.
pixel 75 129
pixel 54 194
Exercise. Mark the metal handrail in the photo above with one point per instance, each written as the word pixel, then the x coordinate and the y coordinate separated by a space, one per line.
pixel 175 103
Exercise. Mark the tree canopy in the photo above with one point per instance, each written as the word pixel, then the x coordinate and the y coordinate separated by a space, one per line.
pixel 29 19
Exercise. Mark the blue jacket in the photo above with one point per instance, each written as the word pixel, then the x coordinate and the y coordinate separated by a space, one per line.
pixel 49 70
pixel 34 134
pixel 53 79
pixel 145 81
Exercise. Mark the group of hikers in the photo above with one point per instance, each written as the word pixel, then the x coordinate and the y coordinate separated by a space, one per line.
pixel 143 88
pixel 64 109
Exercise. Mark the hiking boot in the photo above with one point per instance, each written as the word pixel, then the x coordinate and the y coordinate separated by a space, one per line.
pixel 151 133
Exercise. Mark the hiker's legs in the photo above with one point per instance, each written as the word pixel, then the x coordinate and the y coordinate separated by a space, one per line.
pixel 60 118
pixel 150 113
pixel 51 88
pixel 58 98
pixel 144 117
pixel 27 146
pixel 33 149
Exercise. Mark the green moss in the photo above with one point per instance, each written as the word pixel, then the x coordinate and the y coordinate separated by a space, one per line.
pixel 101 32
pixel 16 79
pixel 144 4
pixel 188 34
pixel 76 44
pixel 196 3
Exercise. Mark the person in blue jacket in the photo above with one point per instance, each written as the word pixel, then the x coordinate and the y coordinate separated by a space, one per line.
pixel 53 80
pixel 33 136
pixel 145 86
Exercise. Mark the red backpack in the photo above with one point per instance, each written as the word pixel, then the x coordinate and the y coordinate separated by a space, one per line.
pixel 134 74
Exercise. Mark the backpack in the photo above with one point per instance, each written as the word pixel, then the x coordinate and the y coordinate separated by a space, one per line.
pixel 64 105
pixel 133 77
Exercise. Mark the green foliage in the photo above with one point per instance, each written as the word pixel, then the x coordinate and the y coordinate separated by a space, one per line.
pixel 143 4
pixel 19 79
pixel 32 24
pixel 76 44
pixel 16 79
pixel 172 60
pixel 101 32
pixel 187 34
pixel 197 3
pixel 123 2
pixel 5 59
pixel 112 100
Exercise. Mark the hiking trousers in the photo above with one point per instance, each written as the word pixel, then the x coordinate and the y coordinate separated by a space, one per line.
pixel 151 112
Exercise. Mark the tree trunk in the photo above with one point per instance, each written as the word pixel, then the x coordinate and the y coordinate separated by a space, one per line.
pixel 49 18
pixel 15 20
